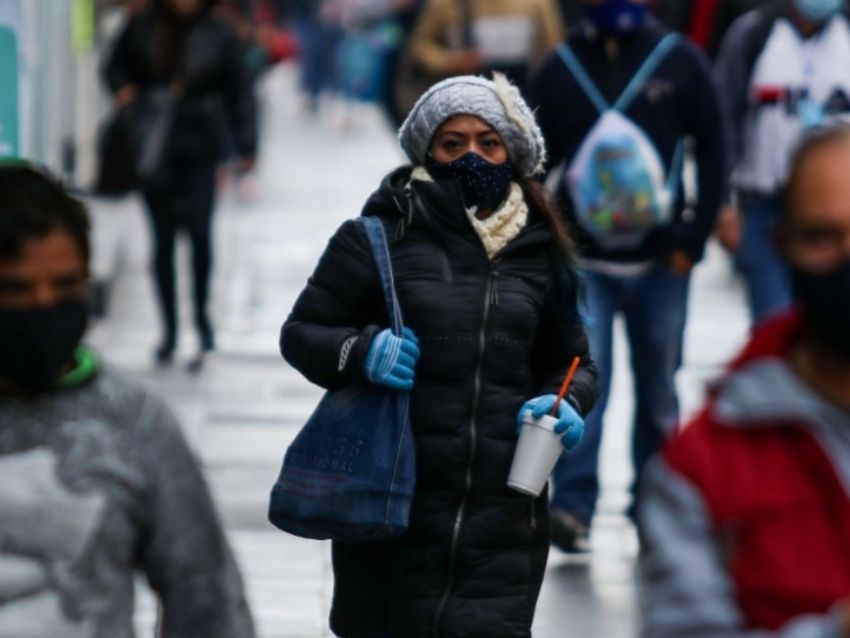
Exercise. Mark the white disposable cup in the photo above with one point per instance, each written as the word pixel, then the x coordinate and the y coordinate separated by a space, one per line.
pixel 537 452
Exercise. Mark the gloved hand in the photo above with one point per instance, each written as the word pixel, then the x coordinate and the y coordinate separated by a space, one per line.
pixel 570 424
pixel 391 360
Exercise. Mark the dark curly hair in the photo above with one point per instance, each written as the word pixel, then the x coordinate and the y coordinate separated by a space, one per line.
pixel 34 204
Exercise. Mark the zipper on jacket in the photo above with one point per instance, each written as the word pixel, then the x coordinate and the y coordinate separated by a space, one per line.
pixel 473 440
pixel 533 517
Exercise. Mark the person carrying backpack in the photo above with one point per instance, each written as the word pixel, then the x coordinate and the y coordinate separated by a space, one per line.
pixel 781 70
pixel 619 105
pixel 453 37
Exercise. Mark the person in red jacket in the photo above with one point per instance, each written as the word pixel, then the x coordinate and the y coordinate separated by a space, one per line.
pixel 745 516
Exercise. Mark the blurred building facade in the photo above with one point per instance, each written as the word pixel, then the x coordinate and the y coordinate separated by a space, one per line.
pixel 59 44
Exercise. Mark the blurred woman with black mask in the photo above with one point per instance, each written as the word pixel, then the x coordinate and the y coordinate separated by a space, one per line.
pixel 181 47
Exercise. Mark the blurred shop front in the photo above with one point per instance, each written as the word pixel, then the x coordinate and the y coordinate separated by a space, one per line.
pixel 52 102
pixel 54 48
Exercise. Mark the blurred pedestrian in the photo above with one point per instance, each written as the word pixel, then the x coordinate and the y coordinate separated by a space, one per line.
pixel 372 33
pixel 618 105
pixel 318 38
pixel 780 70
pixel 457 37
pixel 243 17
pixel 180 48
pixel 704 21
pixel 406 18
pixel 97 484
pixel 746 514
pixel 485 278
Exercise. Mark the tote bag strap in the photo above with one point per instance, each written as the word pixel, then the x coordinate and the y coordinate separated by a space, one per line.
pixel 381 256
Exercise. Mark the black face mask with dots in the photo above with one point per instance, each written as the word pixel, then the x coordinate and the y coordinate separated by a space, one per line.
pixel 484 185
pixel 825 300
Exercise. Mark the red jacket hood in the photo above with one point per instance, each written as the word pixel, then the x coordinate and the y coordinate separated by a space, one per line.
pixel 771 339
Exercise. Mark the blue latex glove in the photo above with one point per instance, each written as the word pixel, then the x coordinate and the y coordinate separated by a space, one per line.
pixel 391 360
pixel 570 424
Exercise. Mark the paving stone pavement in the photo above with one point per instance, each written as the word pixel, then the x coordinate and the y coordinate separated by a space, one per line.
pixel 246 406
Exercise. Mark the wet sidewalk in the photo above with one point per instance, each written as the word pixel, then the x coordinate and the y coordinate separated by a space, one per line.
pixel 247 405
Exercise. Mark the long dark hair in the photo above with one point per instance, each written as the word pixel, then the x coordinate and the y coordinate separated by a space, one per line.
pixel 172 33
pixel 538 202
pixel 565 254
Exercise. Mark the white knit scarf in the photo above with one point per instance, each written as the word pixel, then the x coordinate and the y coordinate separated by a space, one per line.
pixel 502 226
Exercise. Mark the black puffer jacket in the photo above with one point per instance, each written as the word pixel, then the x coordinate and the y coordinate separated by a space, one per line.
pixel 472 562
pixel 218 104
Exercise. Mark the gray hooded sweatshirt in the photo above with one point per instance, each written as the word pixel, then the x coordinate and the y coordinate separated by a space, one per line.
pixel 97 484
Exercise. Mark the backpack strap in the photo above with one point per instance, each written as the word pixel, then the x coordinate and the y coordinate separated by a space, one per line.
pixel 674 175
pixel 580 74
pixel 634 87
pixel 381 256
pixel 645 72
pixel 631 91
pixel 637 83
pixel 755 44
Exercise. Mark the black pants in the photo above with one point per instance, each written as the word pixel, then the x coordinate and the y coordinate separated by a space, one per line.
pixel 184 203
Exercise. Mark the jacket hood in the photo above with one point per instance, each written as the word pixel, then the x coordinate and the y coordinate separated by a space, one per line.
pixel 769 341
pixel 762 389
pixel 772 339
pixel 437 206
pixel 434 205
pixel 391 200
pixel 769 392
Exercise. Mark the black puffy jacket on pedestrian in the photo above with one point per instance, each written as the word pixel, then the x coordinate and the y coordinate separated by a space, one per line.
pixel 218 107
pixel 492 337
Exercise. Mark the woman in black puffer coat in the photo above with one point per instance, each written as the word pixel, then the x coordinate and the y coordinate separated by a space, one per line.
pixel 173 42
pixel 483 271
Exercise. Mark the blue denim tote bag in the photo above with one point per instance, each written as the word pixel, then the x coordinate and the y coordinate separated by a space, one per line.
pixel 350 473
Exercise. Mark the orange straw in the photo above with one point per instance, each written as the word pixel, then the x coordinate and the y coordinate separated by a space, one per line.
pixel 566 386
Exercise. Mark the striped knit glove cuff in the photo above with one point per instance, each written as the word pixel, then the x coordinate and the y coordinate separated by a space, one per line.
pixel 391 360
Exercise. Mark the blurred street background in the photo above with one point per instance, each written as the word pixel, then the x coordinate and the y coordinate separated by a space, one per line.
pixel 245 408
pixel 317 165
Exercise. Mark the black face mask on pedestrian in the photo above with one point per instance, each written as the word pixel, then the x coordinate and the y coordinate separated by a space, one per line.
pixel 484 185
pixel 825 300
pixel 37 345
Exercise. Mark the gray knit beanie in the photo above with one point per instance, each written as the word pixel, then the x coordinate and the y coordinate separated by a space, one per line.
pixel 496 101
